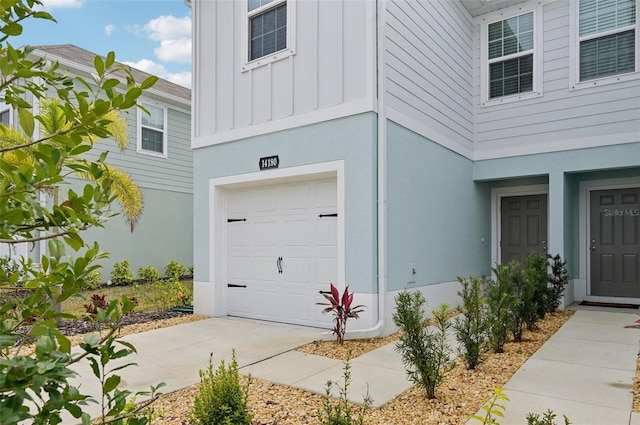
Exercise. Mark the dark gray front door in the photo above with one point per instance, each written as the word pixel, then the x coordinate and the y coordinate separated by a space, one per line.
pixel 523 227
pixel 615 266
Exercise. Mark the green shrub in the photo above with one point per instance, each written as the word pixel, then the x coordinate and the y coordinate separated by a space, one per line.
pixel 536 292
pixel 503 304
pixel 425 353
pixel 10 271
pixel 472 327
pixel 221 398
pixel 559 278
pixel 171 293
pixel 341 412
pixel 546 419
pixel 93 280
pixel 121 274
pixel 148 274
pixel 174 270
pixel 493 408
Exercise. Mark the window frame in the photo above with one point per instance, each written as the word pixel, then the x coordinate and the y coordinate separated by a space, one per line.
pixel 485 62
pixel 139 126
pixel 289 50
pixel 7 108
pixel 574 52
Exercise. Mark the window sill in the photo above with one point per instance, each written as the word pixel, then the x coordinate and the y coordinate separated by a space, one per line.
pixel 151 153
pixel 282 54
pixel 510 99
pixel 597 82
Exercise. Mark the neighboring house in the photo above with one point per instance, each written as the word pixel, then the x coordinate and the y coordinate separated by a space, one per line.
pixel 400 144
pixel 158 159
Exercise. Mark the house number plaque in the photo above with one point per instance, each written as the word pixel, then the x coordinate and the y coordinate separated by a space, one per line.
pixel 269 162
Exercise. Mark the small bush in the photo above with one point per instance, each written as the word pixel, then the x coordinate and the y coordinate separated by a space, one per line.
pixel 10 271
pixel 546 419
pixel 559 278
pixel 341 412
pixel 174 270
pixel 503 304
pixel 221 398
pixel 171 293
pixel 425 353
pixel 472 327
pixel 93 280
pixel 342 309
pixel 97 302
pixel 121 274
pixel 493 408
pixel 537 278
pixel 148 274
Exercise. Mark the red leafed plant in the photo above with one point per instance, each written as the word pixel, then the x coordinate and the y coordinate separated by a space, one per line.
pixel 342 310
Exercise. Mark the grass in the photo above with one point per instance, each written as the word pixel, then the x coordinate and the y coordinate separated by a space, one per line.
pixel 150 296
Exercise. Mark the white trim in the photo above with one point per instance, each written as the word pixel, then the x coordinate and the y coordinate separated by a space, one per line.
pixel 582 291
pixel 139 149
pixel 574 53
pixel 496 198
pixel 538 61
pixel 290 50
pixel 218 214
pixel 552 145
pixel 429 132
pixel 299 120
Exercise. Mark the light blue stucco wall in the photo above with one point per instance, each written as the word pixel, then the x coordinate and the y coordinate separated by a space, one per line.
pixel 564 172
pixel 163 233
pixel 438 218
pixel 351 139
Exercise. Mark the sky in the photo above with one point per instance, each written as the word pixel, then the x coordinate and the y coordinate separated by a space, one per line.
pixel 151 35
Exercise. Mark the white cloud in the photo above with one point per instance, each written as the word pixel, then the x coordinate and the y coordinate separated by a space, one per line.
pixel 109 29
pixel 62 4
pixel 168 28
pixel 178 50
pixel 153 68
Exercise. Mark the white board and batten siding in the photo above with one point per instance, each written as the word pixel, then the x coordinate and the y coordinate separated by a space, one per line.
pixel 429 71
pixel 562 117
pixel 330 74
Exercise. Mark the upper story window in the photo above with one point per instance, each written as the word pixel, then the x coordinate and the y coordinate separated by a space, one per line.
pixel 511 56
pixel 152 130
pixel 510 59
pixel 607 38
pixel 268 31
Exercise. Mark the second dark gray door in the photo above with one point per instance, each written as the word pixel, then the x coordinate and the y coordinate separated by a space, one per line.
pixel 523 227
pixel 613 242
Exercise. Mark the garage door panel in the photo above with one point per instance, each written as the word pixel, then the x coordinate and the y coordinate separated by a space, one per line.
pixel 257 305
pixel 264 232
pixel 326 234
pixel 263 268
pixel 296 232
pixel 297 197
pixel 265 199
pixel 240 202
pixel 326 195
pixel 239 267
pixel 296 269
pixel 239 234
pixel 296 307
pixel 326 271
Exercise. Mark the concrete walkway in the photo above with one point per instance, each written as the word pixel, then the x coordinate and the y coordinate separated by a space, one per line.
pixel 584 371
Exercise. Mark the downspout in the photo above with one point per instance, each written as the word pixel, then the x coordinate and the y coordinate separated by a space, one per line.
pixel 381 174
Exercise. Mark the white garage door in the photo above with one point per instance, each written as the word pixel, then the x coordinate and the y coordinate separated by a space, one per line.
pixel 281 251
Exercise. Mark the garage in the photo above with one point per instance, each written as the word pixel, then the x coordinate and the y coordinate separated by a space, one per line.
pixel 281 250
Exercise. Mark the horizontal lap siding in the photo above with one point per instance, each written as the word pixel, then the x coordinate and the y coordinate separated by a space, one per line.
pixel 559 114
pixel 428 69
pixel 173 173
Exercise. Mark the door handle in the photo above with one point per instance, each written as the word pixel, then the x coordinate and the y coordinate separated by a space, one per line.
pixel 279 265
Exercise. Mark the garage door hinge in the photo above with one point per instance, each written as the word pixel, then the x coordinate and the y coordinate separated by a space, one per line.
pixel 233 220
pixel 233 285
pixel 328 215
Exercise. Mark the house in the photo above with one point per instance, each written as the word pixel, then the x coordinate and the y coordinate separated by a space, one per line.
pixel 160 165
pixel 387 145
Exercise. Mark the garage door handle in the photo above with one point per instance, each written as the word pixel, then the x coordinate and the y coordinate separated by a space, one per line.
pixel 279 264
pixel 234 285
